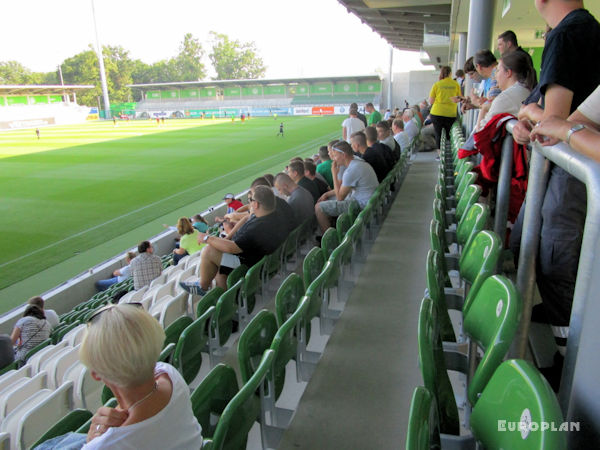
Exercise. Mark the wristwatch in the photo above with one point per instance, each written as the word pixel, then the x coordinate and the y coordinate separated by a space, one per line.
pixel 574 129
pixel 206 238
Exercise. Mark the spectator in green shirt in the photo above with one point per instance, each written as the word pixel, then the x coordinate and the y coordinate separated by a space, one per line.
pixel 324 168
pixel 374 115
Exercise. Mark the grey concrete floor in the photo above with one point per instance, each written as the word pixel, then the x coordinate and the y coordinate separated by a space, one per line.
pixel 359 395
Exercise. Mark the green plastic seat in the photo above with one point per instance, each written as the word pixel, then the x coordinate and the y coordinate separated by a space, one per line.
pixel 71 422
pixel 492 323
pixel 467 179
pixel 166 353
pixel 353 211
pixel 237 274
pixel 517 393
pixel 12 366
pixel 187 357
pixel 210 299
pixel 478 261
pixel 290 246
pixel 435 287
pixel 173 331
pixel 211 397
pixel 439 214
pixel 272 265
pixel 251 286
pixel 288 297
pixel 234 424
pixel 107 394
pixel 470 196
pixel 111 403
pixel 423 432
pixel 342 225
pixel 221 324
pixel 313 265
pixel 254 340
pixel 330 241
pixel 437 240
pixel 433 368
pixel 58 335
pixel 471 223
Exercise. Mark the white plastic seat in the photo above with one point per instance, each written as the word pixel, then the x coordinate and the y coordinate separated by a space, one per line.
pixel 31 419
pixel 51 360
pixel 163 291
pixel 173 309
pixel 159 280
pixel 193 260
pixel 59 365
pixel 183 261
pixel 13 375
pixel 75 336
pixel 174 272
pixel 134 296
pixel 44 354
pixel 87 392
pixel 19 393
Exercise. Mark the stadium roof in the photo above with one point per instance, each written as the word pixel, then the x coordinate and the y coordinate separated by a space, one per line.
pixel 32 89
pixel 400 22
pixel 253 81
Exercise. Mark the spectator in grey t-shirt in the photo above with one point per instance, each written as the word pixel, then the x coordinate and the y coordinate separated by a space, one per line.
pixel 301 201
pixel 357 184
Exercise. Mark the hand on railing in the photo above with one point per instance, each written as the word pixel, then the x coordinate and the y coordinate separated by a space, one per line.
pixel 550 131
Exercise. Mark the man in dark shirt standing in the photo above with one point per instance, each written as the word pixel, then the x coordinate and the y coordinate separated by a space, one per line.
pixel 296 172
pixel 569 74
pixel 260 235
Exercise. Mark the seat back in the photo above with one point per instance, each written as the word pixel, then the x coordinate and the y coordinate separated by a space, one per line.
pixel 329 241
pixel 343 224
pixel 471 223
pixel 435 287
pixel 517 397
pixel 273 263
pixel 173 331
pixel 222 319
pixel 312 265
pixel 433 368
pixel 252 284
pixel 439 214
pixel 21 391
pixel 237 274
pixel 353 211
pixel 211 397
pixel 469 197
pixel 285 344
pixel 290 244
pixel 478 261
pixel 210 299
pixel 34 423
pixel 467 179
pixel 254 340
pixel 288 297
pixel 187 357
pixel 173 309
pixel 235 422
pixel 37 348
pixel 423 432
pixel 57 371
pixel 492 323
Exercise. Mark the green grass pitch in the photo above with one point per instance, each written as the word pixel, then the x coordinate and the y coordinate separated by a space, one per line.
pixel 80 186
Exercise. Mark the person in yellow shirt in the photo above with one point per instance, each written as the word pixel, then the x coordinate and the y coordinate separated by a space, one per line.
pixel 443 109
pixel 188 244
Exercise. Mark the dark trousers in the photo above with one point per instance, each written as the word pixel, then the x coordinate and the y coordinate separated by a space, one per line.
pixel 441 123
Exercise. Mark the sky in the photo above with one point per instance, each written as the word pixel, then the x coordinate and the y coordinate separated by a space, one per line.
pixel 302 38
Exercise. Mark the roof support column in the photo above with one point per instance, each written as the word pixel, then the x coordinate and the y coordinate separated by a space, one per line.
pixel 389 93
pixel 459 63
pixel 481 18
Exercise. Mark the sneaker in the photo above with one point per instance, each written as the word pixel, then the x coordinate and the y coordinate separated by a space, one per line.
pixel 192 287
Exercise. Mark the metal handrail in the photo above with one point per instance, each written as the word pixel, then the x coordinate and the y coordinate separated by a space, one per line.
pixel 576 394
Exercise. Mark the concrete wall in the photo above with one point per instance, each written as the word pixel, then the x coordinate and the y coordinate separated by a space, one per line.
pixel 410 86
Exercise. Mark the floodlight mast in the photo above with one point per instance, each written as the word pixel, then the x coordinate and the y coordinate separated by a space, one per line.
pixel 101 64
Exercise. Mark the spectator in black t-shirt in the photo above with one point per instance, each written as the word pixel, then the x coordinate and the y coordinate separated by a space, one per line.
pixel 569 74
pixel 358 141
pixel 296 172
pixel 261 233
pixel 359 115
pixel 299 199
pixel 310 172
pixel 382 149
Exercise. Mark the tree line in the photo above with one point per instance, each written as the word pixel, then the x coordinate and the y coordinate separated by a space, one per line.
pixel 231 60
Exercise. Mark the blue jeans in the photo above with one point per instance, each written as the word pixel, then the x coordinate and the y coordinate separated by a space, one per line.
pixel 103 285
pixel 69 441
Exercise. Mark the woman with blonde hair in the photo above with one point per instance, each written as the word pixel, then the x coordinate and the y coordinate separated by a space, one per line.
pixel 188 243
pixel 121 349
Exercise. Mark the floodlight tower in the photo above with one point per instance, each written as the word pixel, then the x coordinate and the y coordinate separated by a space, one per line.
pixel 101 63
